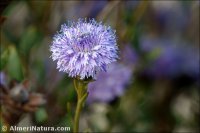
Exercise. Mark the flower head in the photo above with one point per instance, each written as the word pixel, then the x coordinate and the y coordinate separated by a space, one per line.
pixel 84 48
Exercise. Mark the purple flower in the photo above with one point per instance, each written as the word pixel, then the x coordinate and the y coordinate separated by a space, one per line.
pixel 173 59
pixel 3 78
pixel 109 84
pixel 84 48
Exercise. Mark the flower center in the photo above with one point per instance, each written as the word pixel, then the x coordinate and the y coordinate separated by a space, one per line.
pixel 84 42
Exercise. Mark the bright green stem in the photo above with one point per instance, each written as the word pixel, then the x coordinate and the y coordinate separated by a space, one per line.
pixel 81 90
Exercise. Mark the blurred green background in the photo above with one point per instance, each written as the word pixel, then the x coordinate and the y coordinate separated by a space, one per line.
pixel 163 91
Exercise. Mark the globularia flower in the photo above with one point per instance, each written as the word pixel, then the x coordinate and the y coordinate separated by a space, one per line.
pixel 84 48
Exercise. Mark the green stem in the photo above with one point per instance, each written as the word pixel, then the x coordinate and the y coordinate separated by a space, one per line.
pixel 81 90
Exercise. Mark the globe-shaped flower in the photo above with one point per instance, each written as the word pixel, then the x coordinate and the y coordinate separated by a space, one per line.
pixel 84 48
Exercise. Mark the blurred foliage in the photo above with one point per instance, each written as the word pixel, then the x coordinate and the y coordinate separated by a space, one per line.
pixel 14 64
pixel 149 103
pixel 41 115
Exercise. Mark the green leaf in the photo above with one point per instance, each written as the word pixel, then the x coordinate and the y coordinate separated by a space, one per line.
pixel 4 57
pixel 30 38
pixel 41 115
pixel 14 64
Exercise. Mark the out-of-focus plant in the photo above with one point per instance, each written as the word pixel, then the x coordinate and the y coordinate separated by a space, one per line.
pixel 17 100
pixel 164 35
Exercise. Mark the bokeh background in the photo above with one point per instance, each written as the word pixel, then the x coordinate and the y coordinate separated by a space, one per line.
pixel 154 87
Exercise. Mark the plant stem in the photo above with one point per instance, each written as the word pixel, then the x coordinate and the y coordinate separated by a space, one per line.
pixel 81 90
